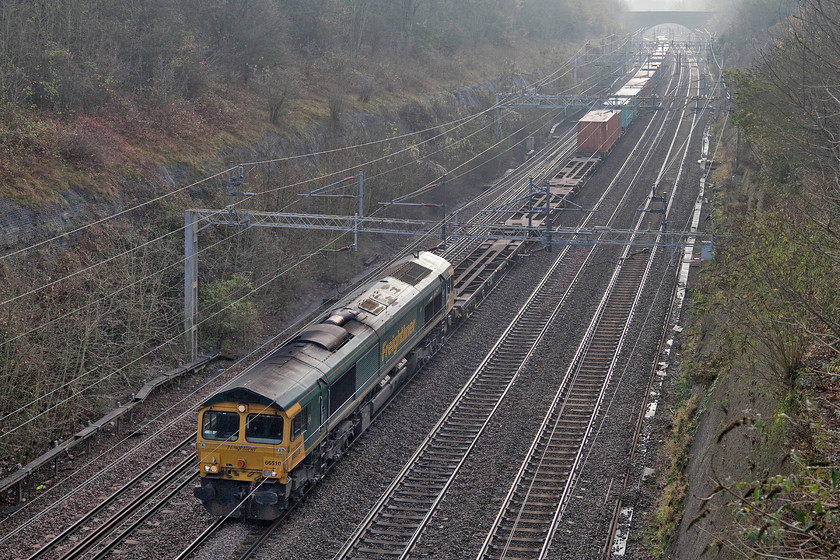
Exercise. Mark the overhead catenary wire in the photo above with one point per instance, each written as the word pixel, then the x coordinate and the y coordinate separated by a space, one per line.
pixel 456 168
pixel 459 122
pixel 259 287
pixel 232 236
pixel 109 217
pixel 178 230
pixel 127 456
pixel 606 415
pixel 92 370
pixel 117 292
pixel 135 449
pixel 391 155
pixel 163 344
pixel 122 289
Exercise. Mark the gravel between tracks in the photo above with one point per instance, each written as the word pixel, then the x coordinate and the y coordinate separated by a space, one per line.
pixel 318 527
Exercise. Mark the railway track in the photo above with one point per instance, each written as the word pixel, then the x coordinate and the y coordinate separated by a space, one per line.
pixel 505 191
pixel 257 536
pixel 507 364
pixel 396 521
pixel 90 533
pixel 526 522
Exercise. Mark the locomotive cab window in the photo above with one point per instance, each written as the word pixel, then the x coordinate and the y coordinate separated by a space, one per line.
pixel 220 426
pixel 264 428
pixel 299 424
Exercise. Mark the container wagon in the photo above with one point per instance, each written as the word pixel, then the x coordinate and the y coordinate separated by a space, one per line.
pixel 598 131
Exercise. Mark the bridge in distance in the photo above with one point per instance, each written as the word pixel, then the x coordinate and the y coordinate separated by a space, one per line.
pixel 690 19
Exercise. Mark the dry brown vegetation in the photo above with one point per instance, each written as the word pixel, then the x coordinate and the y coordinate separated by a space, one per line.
pixel 105 104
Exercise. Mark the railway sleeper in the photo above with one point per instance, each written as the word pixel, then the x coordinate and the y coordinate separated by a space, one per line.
pixel 531 513
pixel 546 494
pixel 379 542
pixel 557 452
pixel 421 480
pixel 558 477
pixel 526 549
pixel 465 425
pixel 522 536
pixel 404 500
pixel 569 430
pixel 513 517
pixel 376 552
pixel 406 511
pixel 579 414
pixel 404 533
pixel 430 467
pixel 447 455
pixel 416 517
pixel 532 530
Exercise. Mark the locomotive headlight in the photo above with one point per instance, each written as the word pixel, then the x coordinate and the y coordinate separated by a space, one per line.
pixel 214 468
pixel 267 473
pixel 206 468
pixel 242 407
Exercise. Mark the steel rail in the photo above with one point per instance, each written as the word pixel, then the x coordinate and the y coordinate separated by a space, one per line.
pixel 545 464
pixel 524 526
pixel 502 191
pixel 110 525
pixel 460 425
pixel 77 525
pixel 102 553
pixel 196 543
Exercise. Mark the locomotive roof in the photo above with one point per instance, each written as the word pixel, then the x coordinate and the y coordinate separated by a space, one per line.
pixel 290 372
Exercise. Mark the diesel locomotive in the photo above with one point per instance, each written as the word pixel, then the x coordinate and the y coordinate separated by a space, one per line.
pixel 270 432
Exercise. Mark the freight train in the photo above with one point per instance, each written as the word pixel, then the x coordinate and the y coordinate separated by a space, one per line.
pixel 271 431
pixel 599 130
pixel 638 88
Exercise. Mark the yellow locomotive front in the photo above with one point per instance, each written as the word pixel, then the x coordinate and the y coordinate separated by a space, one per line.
pixel 245 451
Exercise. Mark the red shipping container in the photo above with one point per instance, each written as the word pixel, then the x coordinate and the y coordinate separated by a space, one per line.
pixel 598 131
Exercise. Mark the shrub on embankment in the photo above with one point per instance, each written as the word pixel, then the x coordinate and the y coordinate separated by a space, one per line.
pixel 763 478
